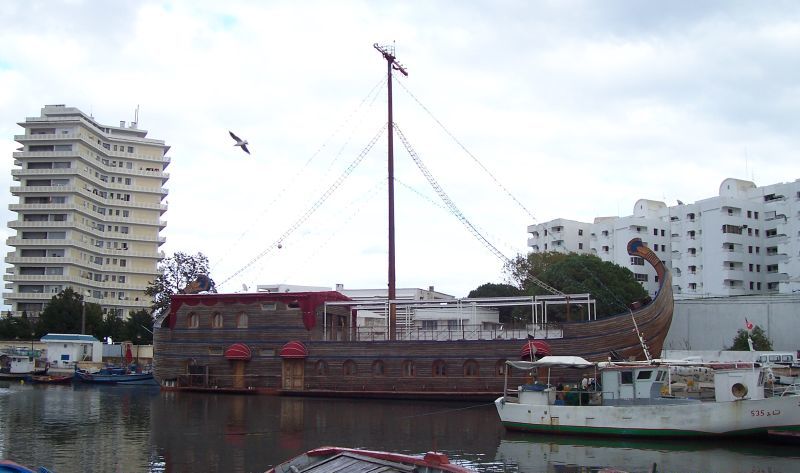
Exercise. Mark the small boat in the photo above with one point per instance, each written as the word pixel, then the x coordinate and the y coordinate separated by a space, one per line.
pixel 112 375
pixel 327 459
pixel 50 379
pixel 21 362
pixel 7 466
pixel 637 399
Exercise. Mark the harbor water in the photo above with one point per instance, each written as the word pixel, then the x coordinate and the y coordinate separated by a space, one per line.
pixel 76 428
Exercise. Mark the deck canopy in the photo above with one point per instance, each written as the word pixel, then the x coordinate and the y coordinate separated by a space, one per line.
pixel 552 362
pixel 537 347
pixel 238 351
pixel 294 349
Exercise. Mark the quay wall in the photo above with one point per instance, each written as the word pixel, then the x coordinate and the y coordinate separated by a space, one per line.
pixel 711 323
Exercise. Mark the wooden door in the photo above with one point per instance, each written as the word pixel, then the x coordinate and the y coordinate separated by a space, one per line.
pixel 238 374
pixel 293 373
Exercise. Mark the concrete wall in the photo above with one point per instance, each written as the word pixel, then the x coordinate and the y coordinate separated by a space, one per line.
pixel 712 323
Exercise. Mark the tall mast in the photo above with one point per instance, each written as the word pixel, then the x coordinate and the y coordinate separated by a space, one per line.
pixel 391 62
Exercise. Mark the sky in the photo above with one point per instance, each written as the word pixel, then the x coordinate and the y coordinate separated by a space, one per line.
pixel 521 111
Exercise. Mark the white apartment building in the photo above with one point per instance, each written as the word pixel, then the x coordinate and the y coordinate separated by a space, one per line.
pixel 89 212
pixel 744 241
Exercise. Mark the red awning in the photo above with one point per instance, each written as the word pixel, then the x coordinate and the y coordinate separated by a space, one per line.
pixel 238 351
pixel 539 348
pixel 294 349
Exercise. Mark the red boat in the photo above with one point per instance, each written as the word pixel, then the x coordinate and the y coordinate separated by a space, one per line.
pixel 50 379
pixel 327 459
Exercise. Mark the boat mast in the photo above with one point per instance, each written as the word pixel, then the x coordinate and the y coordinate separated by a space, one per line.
pixel 391 62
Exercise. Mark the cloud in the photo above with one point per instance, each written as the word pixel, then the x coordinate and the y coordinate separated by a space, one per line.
pixel 575 108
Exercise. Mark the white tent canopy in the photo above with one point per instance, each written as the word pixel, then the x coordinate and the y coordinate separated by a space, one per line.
pixel 552 362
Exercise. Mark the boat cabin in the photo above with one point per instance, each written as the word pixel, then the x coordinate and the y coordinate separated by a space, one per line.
pixel 629 383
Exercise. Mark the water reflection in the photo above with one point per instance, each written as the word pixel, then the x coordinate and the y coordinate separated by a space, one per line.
pixel 533 453
pixel 135 429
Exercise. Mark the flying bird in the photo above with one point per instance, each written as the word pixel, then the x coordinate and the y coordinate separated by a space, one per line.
pixel 240 142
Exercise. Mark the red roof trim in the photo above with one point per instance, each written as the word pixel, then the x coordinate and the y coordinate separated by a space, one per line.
pixel 308 302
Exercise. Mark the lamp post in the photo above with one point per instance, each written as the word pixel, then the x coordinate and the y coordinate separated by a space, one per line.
pixel 83 311
pixel 83 316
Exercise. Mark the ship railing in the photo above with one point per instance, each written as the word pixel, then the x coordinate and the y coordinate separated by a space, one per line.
pixel 462 332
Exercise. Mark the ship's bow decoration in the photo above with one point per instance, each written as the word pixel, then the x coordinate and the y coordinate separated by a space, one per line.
pixel 201 284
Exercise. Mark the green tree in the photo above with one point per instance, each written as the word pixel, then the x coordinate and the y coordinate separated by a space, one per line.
pixel 113 327
pixel 509 314
pixel 760 340
pixel 175 273
pixel 612 286
pixel 16 328
pixel 139 327
pixel 522 270
pixel 63 315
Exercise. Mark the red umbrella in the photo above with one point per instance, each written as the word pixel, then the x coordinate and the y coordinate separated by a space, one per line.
pixel 128 355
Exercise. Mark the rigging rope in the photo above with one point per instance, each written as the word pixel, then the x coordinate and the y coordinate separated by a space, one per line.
pixel 371 97
pixel 464 148
pixel 458 214
pixel 308 213
pixel 438 205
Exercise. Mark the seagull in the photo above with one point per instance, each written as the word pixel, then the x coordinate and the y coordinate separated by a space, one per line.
pixel 240 142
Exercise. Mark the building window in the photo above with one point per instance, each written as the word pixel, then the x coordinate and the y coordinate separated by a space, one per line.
pixel 378 368
pixel 194 320
pixel 322 368
pixel 640 277
pixel 216 320
pixel 215 351
pixel 755 216
pixel 662 232
pixel 408 368
pixel 750 267
pixel 750 215
pixel 655 232
pixel 471 368
pixel 580 232
pixel 429 324
pixel 751 284
pixel 637 261
pixel 580 246
pixel 241 320
pixel 349 368
pixel 439 368
pixel 758 268
pixel 758 286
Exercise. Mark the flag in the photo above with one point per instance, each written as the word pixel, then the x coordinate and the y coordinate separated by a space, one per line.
pixel 748 324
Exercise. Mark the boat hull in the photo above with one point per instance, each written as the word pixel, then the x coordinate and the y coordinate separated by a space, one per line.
pixel 132 379
pixel 696 419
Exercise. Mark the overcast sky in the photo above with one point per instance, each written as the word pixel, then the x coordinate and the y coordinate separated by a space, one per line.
pixel 522 111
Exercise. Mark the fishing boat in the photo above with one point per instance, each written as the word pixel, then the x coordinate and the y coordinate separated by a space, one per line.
pixel 51 379
pixel 114 376
pixel 21 363
pixel 327 459
pixel 636 399
pixel 312 344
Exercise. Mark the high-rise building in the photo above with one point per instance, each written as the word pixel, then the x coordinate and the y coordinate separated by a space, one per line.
pixel 91 197
pixel 744 241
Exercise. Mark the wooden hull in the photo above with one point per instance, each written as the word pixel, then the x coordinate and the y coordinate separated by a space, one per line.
pixel 239 342
pixel 699 419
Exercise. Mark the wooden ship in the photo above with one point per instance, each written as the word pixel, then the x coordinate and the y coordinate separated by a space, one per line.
pixel 310 343
pixel 296 344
